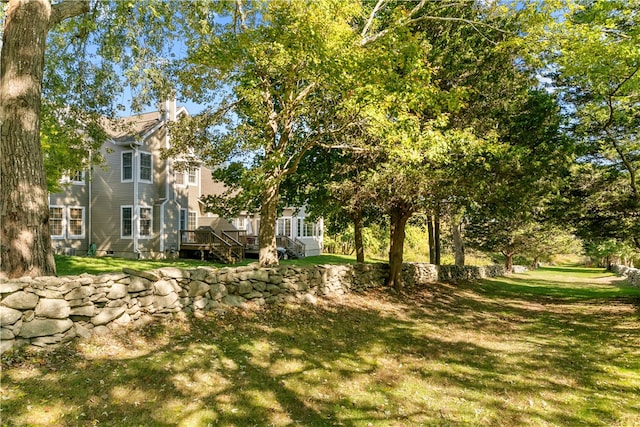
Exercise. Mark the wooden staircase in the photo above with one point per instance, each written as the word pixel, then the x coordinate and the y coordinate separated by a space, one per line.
pixel 205 240
pixel 294 247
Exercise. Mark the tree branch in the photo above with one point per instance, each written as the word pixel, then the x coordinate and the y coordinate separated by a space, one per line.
pixel 613 139
pixel 243 15
pixel 409 20
pixel 378 6
pixel 67 9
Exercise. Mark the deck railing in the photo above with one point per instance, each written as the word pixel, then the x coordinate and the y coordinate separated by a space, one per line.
pixel 223 247
pixel 238 236
pixel 295 246
pixel 230 245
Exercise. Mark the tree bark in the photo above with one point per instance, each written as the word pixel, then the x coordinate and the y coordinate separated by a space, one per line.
pixel 458 242
pixel 508 261
pixel 432 240
pixel 268 253
pixel 399 218
pixel 436 237
pixel 25 243
pixel 534 264
pixel 357 235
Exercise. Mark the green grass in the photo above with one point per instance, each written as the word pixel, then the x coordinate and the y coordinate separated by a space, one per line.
pixel 75 265
pixel 558 346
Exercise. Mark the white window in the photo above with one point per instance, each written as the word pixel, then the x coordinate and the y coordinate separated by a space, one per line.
pixel 308 229
pixel 76 222
pixel 77 177
pixel 145 221
pixel 56 221
pixel 126 221
pixel 192 224
pixel 179 176
pixel 283 227
pixel 240 223
pixel 146 167
pixel 192 177
pixel 127 166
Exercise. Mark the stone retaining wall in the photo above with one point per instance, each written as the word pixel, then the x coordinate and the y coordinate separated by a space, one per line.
pixel 632 274
pixel 51 310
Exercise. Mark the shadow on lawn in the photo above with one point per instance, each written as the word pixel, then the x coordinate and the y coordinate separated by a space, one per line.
pixel 452 355
pixel 575 271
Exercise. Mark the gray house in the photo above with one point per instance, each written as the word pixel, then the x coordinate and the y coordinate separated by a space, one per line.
pixel 137 206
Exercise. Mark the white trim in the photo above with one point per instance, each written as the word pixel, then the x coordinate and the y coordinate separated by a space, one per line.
pixel 133 169
pixel 122 236
pixel 161 122
pixel 68 179
pixel 195 215
pixel 140 154
pixel 196 173
pixel 134 214
pixel 285 219
pixel 182 184
pixel 83 178
pixel 62 222
pixel 140 235
pixel 68 225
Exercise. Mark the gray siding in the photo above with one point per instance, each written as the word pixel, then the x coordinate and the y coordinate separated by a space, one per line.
pixel 72 196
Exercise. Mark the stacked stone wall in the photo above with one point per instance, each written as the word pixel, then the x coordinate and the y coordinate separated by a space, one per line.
pixel 632 274
pixel 52 310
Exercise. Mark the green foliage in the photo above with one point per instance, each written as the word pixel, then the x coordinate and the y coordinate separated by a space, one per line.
pixel 375 239
pixel 510 205
pixel 593 60
pixel 612 251
pixel 596 200
pixel 271 82
pixel 88 62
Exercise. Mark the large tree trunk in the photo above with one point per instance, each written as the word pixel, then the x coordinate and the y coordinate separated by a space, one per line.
pixel 508 261
pixel 458 242
pixel 25 244
pixel 357 236
pixel 268 254
pixel 432 240
pixel 399 218
pixel 436 237
pixel 535 263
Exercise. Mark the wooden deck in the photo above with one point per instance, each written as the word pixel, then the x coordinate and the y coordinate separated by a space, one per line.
pixel 223 246
pixel 231 246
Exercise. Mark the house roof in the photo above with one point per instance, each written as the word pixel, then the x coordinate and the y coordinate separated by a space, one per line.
pixel 133 129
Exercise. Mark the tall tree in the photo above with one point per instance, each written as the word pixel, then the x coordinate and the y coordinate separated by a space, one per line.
pixel 25 245
pixel 518 177
pixel 443 123
pixel 63 65
pixel 591 56
pixel 283 69
pixel 329 183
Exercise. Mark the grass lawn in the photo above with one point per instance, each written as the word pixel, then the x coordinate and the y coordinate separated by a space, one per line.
pixel 75 265
pixel 558 346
